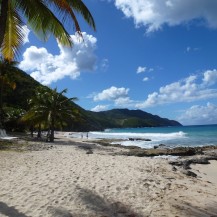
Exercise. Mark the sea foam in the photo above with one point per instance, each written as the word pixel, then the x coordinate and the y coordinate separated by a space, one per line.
pixel 152 136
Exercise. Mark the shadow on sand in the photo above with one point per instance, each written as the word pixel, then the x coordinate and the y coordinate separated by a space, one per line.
pixel 99 206
pixel 103 207
pixel 10 211
pixel 186 209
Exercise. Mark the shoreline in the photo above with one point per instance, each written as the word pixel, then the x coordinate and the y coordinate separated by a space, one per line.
pixel 83 179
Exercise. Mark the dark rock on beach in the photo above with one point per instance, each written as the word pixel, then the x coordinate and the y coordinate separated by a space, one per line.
pixel 183 151
pixel 139 139
pixel 89 152
pixel 189 173
pixel 185 163
pixel 160 149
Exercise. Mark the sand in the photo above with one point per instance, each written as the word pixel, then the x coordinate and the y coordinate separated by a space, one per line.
pixel 206 172
pixel 67 181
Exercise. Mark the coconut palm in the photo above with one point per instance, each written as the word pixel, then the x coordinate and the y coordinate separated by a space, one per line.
pixel 34 117
pixel 5 81
pixel 50 109
pixel 39 16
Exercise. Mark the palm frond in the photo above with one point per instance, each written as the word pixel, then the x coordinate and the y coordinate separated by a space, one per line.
pixel 67 8
pixel 14 35
pixel 43 22
pixel 81 8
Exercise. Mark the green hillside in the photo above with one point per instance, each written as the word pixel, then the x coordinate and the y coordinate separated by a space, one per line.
pixel 124 118
pixel 87 120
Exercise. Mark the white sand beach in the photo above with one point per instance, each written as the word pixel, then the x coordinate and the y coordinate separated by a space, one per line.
pixel 206 172
pixel 71 181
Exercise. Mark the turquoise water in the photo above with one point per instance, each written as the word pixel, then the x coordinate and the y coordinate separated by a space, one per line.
pixel 200 135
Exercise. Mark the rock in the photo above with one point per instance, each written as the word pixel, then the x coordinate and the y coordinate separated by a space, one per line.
pixel 89 152
pixel 176 163
pixel 189 173
pixel 133 147
pixel 174 169
pixel 162 145
pixel 201 161
pixel 138 139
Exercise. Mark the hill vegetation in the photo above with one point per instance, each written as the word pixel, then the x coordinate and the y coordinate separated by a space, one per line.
pixel 15 103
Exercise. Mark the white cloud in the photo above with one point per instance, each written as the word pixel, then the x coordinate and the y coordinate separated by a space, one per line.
pixel 210 77
pixel 104 65
pixel 145 79
pixel 123 102
pixel 112 93
pixel 26 32
pixel 119 96
pixel 47 68
pixel 188 49
pixel 140 69
pixel 187 90
pixel 199 115
pixel 153 14
pixel 192 49
pixel 99 108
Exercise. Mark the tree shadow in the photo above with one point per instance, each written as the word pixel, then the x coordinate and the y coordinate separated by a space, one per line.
pixel 60 212
pixel 10 211
pixel 189 210
pixel 105 208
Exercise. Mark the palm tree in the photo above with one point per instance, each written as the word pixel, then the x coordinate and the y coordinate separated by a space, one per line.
pixel 5 80
pixel 39 16
pixel 34 117
pixel 50 109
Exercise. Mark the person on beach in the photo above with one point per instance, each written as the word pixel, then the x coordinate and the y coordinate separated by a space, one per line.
pixel 87 135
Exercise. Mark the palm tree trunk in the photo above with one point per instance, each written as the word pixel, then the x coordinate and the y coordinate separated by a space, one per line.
pixel 1 100
pixel 39 131
pixel 52 131
pixel 52 135
pixel 3 19
pixel 48 136
pixel 31 130
pixel 1 105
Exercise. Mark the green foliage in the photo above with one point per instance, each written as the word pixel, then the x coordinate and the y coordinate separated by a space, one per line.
pixel 49 108
pixel 12 117
pixel 25 89
pixel 124 118
pixel 39 16
pixel 85 120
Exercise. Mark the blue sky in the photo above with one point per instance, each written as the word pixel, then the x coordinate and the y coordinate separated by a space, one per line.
pixel 157 56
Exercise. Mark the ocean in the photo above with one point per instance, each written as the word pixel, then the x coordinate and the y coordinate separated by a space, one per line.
pixel 177 136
